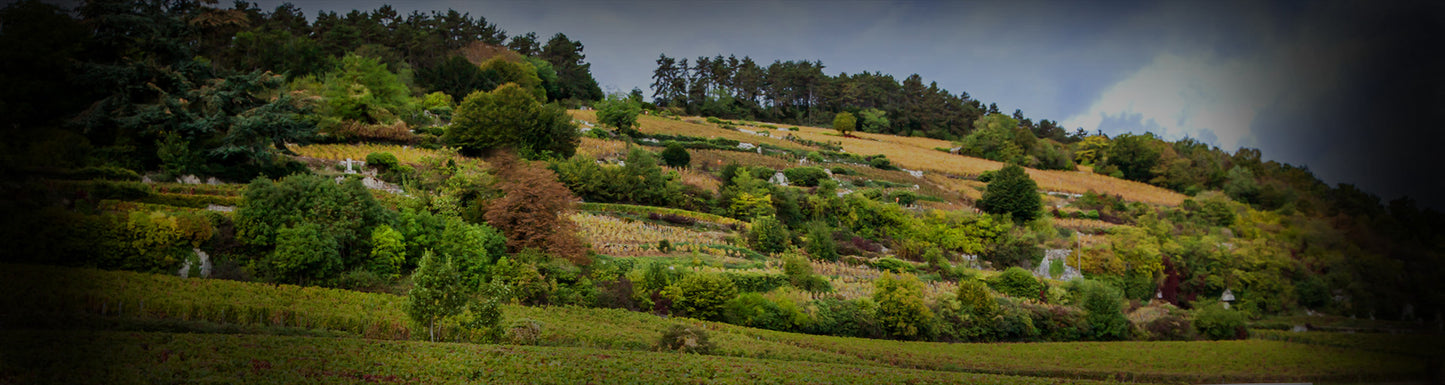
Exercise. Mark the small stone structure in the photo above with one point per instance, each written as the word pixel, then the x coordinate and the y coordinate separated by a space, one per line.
pixel 779 179
pixel 202 258
pixel 1051 255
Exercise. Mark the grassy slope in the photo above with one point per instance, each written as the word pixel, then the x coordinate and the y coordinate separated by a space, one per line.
pixel 378 315
pixel 917 154
pixel 131 357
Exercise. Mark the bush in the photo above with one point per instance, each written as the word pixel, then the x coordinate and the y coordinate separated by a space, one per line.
pixel 1018 283
pixel 675 155
pixel 880 162
pixel 383 161
pixel 901 312
pixel 524 332
pixel 618 111
pixel 1104 305
pixel 974 299
pixel 805 176
pixel 702 296
pixel 303 253
pixel 684 339
pixel 894 265
pixel 1173 326
pixel 755 310
pixel 512 117
pixel 846 318
pixel 1011 191
pixel 1215 322
pixel 820 244
pixel 768 235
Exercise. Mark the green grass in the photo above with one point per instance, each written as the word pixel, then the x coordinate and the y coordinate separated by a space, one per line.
pixel 1422 345
pixel 135 357
pixel 54 290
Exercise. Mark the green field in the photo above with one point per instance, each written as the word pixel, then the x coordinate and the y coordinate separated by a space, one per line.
pixel 129 357
pixel 374 322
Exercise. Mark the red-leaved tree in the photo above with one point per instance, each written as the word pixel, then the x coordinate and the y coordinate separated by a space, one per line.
pixel 534 210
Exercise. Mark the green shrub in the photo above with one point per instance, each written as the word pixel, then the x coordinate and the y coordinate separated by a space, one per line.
pixel 805 176
pixel 768 235
pixel 1018 283
pixel 894 265
pixel 1215 322
pixel 1104 305
pixel 754 310
pixel 847 318
pixel 1011 191
pixel 684 339
pixel 820 244
pixel 1173 326
pixel 304 253
pixel 675 155
pixel 702 296
pixel 383 161
pixel 901 312
pixel 975 299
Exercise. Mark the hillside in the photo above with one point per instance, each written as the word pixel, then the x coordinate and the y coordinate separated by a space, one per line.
pixel 911 153
pixel 195 194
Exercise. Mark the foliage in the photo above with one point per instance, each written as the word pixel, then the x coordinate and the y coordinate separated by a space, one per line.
pixel 388 251
pixel 437 292
pixel 845 122
pixel 900 306
pixel 511 117
pixel 362 89
pixel 534 210
pixel 1133 156
pixel 976 300
pixel 619 112
pixel 873 120
pixel 675 156
pixel 303 253
pixel 1018 283
pixel 1215 322
pixel 1012 192
pixel 384 161
pixel 805 176
pixel 343 216
pixel 819 242
pixel 702 296
pixel 996 137
pixel 1104 305
pixel 768 235
pixel 684 339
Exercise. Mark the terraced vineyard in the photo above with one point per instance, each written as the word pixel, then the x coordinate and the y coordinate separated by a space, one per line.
pixel 909 153
pixel 619 237
pixel 618 334
pixel 358 152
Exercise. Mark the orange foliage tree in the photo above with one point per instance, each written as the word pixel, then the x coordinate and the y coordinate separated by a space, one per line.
pixel 535 210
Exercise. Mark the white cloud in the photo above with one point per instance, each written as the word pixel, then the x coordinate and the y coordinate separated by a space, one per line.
pixel 1196 95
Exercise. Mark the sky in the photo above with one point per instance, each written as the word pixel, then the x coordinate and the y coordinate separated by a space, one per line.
pixel 1350 89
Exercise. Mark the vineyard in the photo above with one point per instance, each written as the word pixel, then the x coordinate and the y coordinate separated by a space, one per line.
pixel 54 290
pixel 921 154
pixel 358 152
pixel 624 237
pixel 118 357
pixel 648 210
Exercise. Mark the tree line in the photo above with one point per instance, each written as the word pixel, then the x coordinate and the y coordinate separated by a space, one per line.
pixel 799 92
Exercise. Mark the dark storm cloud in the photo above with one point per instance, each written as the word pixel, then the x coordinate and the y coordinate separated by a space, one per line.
pixel 1347 88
